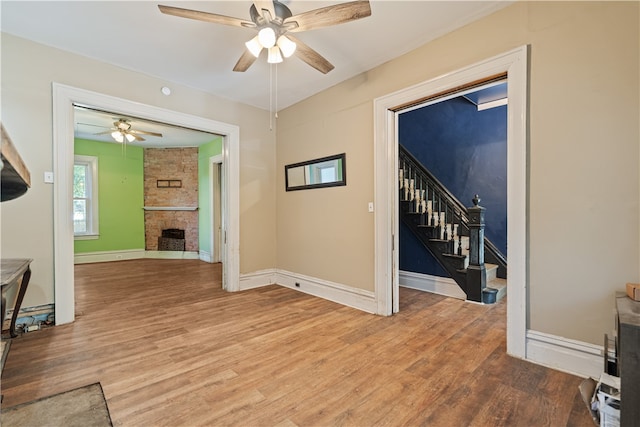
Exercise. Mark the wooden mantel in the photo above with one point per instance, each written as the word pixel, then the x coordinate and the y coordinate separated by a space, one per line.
pixel 15 178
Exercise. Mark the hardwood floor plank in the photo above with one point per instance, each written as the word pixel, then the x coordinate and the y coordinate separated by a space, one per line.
pixel 171 348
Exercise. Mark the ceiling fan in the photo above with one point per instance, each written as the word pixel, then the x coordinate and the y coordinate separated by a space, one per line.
pixel 122 130
pixel 274 23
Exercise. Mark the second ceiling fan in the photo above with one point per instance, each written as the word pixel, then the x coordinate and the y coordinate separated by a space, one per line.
pixel 122 131
pixel 274 23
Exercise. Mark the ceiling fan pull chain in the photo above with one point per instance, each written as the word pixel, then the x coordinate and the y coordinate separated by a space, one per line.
pixel 270 96
pixel 276 95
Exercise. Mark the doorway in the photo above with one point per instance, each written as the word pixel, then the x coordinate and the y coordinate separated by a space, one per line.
pixel 513 64
pixel 64 99
pixel 461 140
pixel 162 167
pixel 215 200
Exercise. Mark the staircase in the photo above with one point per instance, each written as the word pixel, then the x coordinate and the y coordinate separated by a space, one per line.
pixel 452 233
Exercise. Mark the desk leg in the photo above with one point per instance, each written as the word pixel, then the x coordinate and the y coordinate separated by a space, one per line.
pixel 23 290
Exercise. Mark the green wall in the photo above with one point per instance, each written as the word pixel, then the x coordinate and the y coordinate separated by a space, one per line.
pixel 120 196
pixel 205 151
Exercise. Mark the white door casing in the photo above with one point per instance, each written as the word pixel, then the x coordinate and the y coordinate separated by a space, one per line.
pixel 64 98
pixel 386 109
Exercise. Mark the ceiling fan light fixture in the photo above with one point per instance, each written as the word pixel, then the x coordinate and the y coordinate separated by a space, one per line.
pixel 254 46
pixel 274 55
pixel 129 137
pixel 267 37
pixel 117 135
pixel 272 19
pixel 286 46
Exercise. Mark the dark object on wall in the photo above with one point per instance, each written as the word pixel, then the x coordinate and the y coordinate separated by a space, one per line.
pixel 330 171
pixel 172 239
pixel 15 179
pixel 169 183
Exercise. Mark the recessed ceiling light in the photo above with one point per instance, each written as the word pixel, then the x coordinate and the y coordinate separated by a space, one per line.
pixel 166 91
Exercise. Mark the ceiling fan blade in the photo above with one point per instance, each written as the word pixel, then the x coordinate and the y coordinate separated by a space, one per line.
pixel 246 60
pixel 105 132
pixel 330 15
pixel 91 124
pixel 311 57
pixel 138 138
pixel 205 16
pixel 265 5
pixel 144 132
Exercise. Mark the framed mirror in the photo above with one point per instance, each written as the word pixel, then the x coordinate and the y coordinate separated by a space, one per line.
pixel 319 173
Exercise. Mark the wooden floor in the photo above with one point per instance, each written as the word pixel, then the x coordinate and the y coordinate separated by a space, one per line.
pixel 172 349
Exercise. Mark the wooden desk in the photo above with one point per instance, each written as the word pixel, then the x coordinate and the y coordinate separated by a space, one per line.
pixel 15 275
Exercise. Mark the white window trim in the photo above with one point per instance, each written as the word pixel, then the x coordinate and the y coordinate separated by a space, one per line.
pixel 93 225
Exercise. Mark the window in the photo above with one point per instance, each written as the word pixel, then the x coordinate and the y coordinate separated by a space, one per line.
pixel 85 197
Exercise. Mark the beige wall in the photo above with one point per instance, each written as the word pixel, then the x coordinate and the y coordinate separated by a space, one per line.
pixel 28 69
pixel 583 201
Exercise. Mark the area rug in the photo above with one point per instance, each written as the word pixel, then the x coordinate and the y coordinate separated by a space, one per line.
pixel 81 407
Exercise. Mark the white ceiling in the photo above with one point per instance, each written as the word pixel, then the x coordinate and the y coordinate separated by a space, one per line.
pixel 136 36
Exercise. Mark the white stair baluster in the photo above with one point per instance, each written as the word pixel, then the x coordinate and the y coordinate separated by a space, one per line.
pixel 411 194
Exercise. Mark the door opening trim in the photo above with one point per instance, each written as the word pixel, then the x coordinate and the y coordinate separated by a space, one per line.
pixel 386 109
pixel 64 98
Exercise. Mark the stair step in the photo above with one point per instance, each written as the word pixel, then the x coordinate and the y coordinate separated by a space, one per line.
pixel 500 285
pixel 492 271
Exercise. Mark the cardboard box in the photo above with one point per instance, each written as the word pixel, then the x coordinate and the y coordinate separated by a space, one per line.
pixel 633 291
pixel 587 391
pixel 605 403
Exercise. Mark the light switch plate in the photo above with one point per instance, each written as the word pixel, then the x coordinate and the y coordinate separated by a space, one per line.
pixel 48 177
pixel 370 206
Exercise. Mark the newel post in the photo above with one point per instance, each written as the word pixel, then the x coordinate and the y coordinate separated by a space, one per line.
pixel 476 272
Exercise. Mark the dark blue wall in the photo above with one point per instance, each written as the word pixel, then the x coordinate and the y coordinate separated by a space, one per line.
pixel 466 150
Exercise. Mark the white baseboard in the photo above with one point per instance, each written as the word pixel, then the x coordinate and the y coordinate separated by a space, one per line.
pixel 205 256
pixel 336 292
pixel 172 255
pixel 257 279
pixel 37 310
pixel 434 284
pixel 107 256
pixel 564 354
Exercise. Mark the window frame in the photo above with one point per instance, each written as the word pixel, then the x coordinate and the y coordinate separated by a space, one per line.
pixel 91 165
